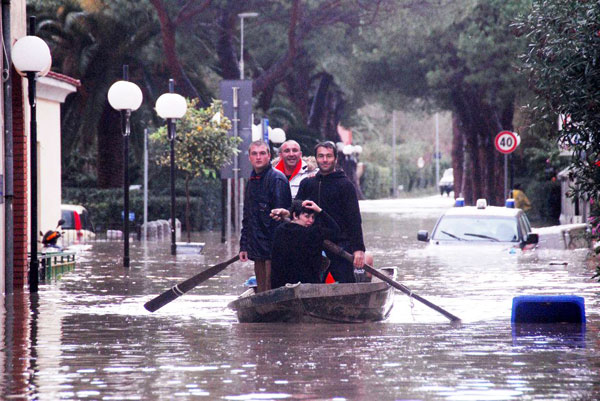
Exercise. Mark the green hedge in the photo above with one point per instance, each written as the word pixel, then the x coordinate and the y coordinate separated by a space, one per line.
pixel 106 205
pixel 376 181
pixel 545 201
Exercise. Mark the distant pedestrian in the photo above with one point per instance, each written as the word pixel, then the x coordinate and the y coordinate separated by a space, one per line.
pixel 336 195
pixel 291 165
pixel 521 200
pixel 267 189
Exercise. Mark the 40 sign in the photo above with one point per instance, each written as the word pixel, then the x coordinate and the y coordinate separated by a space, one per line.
pixel 506 141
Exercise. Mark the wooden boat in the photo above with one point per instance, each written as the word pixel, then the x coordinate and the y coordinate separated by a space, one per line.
pixel 341 303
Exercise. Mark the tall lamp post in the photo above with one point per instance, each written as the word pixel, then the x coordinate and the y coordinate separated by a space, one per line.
pixel 126 97
pixel 31 58
pixel 171 106
pixel 242 16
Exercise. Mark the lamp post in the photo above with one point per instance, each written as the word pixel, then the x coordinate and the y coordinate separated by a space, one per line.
pixel 277 137
pixel 242 16
pixel 171 106
pixel 126 97
pixel 31 58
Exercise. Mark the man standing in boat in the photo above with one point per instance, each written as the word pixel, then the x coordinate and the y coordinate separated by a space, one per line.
pixel 336 195
pixel 267 189
pixel 291 164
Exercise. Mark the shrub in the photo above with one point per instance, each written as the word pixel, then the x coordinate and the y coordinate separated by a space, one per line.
pixel 375 181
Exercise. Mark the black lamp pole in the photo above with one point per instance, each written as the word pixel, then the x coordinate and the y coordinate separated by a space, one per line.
pixel 34 263
pixel 126 130
pixel 171 137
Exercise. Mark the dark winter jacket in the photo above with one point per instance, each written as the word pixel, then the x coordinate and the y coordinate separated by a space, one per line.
pixel 297 251
pixel 336 194
pixel 265 191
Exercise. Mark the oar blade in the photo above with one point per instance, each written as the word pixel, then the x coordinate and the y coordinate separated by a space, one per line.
pixel 340 252
pixel 161 300
pixel 181 288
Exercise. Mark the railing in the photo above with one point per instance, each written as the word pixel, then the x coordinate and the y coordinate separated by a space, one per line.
pixel 54 264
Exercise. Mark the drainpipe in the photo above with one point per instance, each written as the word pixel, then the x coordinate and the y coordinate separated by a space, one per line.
pixel 8 152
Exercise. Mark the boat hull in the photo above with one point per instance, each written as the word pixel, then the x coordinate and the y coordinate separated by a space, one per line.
pixel 341 303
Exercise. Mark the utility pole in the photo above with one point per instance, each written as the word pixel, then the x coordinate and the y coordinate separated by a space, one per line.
pixel 394 176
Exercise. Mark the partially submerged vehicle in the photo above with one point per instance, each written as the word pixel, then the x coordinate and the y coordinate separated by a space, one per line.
pixel 340 303
pixel 482 224
pixel 77 227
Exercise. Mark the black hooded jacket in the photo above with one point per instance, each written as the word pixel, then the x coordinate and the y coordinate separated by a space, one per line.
pixel 266 190
pixel 336 194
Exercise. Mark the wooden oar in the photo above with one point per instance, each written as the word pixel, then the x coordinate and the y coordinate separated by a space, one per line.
pixel 181 288
pixel 340 252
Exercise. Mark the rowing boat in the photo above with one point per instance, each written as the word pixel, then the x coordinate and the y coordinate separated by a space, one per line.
pixel 341 303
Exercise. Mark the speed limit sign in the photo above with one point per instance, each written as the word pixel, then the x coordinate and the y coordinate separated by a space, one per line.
pixel 506 142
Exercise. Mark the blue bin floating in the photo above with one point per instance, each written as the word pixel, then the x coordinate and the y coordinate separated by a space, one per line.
pixel 542 309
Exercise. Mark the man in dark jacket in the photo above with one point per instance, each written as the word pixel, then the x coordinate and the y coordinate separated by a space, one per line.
pixel 336 195
pixel 267 189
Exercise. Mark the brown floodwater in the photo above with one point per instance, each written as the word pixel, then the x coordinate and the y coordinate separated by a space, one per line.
pixel 87 335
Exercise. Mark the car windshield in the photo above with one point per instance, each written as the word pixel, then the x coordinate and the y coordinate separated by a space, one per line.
pixel 69 219
pixel 476 228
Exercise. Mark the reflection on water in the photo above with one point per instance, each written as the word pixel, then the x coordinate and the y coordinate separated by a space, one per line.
pixel 89 337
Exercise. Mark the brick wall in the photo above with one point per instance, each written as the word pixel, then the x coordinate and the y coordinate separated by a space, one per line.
pixel 20 183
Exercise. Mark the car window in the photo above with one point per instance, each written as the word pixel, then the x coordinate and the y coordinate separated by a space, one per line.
pixel 69 219
pixel 476 228
pixel 86 222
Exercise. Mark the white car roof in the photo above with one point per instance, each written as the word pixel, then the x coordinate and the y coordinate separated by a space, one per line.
pixel 489 211
pixel 74 208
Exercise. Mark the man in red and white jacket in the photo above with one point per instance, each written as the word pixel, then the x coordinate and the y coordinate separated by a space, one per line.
pixel 292 165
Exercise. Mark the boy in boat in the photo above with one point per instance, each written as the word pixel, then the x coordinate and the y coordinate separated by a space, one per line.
pixel 297 244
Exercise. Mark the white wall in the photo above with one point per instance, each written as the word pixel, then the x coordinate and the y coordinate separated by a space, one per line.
pixel 49 166
pixel 51 92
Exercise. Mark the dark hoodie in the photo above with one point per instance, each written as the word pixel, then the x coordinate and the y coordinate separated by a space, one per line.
pixel 336 194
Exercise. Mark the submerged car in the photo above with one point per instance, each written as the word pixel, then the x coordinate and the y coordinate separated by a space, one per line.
pixel 446 183
pixel 482 224
pixel 77 226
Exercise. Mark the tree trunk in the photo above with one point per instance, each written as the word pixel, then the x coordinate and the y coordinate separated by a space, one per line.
pixel 109 161
pixel 226 52
pixel 317 108
pixel 458 156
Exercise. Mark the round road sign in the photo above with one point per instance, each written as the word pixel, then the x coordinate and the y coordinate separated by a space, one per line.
pixel 506 142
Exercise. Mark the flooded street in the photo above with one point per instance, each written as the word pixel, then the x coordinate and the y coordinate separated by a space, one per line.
pixel 88 336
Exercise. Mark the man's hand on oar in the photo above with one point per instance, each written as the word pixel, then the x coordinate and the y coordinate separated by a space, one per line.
pixel 181 288
pixel 330 246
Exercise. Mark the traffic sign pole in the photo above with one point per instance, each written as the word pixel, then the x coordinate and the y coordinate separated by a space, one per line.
pixel 505 175
pixel 506 142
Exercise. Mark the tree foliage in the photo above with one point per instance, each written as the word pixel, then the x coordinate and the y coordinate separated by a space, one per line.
pixel 562 62
pixel 202 145
pixel 465 63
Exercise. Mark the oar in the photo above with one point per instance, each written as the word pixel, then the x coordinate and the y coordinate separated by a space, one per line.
pixel 340 252
pixel 181 288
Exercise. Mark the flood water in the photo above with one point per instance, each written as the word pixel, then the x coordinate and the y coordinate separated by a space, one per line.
pixel 87 336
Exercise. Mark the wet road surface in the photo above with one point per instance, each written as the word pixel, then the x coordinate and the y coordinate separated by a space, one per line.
pixel 88 336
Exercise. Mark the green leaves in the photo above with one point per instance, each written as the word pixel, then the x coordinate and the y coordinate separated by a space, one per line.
pixel 562 64
pixel 202 145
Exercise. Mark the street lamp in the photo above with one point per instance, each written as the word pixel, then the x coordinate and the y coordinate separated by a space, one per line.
pixel 242 16
pixel 126 97
pixel 171 106
pixel 31 58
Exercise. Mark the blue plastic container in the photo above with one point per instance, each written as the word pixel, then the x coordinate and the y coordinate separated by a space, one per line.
pixel 548 309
